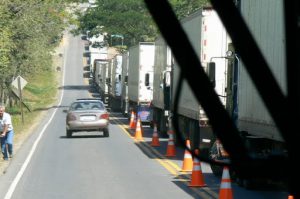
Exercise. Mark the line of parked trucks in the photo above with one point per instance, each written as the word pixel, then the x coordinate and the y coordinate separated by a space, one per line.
pixel 144 78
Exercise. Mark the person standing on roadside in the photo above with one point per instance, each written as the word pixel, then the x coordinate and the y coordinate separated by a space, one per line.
pixel 6 133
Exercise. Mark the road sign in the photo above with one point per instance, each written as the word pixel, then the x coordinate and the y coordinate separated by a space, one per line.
pixel 15 83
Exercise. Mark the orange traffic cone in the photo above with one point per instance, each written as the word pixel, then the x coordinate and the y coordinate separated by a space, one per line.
pixel 187 164
pixel 225 190
pixel 155 138
pixel 138 131
pixel 171 151
pixel 132 123
pixel 197 179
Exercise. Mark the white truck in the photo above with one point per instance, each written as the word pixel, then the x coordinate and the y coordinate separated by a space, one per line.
pixel 115 90
pixel 253 116
pixel 210 42
pixel 124 84
pixel 96 52
pixel 161 103
pixel 100 77
pixel 265 21
pixel 140 80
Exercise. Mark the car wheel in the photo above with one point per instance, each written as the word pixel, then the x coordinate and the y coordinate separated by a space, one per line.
pixel 106 133
pixel 69 133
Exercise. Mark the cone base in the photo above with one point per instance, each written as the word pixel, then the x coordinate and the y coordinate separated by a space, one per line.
pixel 170 155
pixel 155 145
pixel 186 170
pixel 202 185
pixel 138 139
pixel 226 194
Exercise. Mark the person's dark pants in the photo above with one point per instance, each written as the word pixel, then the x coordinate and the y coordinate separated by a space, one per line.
pixel 7 144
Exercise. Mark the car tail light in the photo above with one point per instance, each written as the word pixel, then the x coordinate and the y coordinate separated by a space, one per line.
pixel 104 116
pixel 71 117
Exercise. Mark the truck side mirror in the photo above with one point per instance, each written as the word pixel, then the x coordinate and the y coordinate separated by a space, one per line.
pixel 147 79
pixel 211 70
pixel 120 77
pixel 126 79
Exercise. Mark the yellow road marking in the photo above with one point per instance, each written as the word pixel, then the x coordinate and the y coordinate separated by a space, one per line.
pixel 172 164
pixel 167 166
pixel 173 168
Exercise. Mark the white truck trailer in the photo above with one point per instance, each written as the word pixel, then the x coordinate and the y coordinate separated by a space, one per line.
pixel 100 77
pixel 140 79
pixel 210 41
pixel 96 52
pixel 253 116
pixel 161 103
pixel 115 90
pixel 124 85
pixel 265 21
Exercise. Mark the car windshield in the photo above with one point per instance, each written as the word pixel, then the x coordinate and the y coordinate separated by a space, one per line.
pixel 87 106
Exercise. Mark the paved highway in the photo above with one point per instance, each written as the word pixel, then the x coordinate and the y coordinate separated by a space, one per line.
pixel 90 166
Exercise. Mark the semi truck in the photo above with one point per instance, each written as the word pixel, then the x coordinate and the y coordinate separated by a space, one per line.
pixel 210 41
pixel 115 90
pixel 104 71
pixel 96 51
pixel 257 128
pixel 140 80
pixel 124 84
pixel 162 81
pixel 101 78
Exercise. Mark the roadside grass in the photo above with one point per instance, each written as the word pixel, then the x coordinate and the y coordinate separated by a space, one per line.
pixel 38 95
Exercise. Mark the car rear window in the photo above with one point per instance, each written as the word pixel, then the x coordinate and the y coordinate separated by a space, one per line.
pixel 84 105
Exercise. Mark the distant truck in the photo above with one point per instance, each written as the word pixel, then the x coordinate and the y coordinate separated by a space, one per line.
pixel 140 80
pixel 210 42
pixel 115 90
pixel 124 85
pixel 96 51
pixel 101 77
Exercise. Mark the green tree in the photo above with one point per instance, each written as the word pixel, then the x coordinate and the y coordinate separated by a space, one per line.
pixel 5 42
pixel 29 32
pixel 129 18
pixel 183 8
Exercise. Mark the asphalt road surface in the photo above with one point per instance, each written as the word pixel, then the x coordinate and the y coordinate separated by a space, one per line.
pixel 90 166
